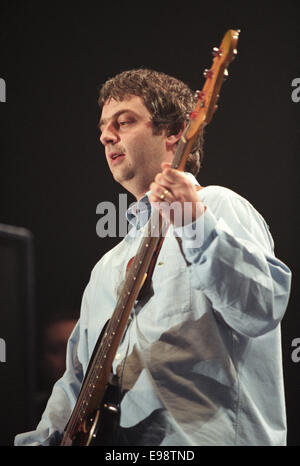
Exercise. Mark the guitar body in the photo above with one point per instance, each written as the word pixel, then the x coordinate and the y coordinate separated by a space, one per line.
pixel 98 428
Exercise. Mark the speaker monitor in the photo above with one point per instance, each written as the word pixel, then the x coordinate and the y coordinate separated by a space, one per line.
pixel 17 322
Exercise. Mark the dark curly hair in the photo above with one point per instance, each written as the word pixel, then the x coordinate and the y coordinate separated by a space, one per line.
pixel 168 100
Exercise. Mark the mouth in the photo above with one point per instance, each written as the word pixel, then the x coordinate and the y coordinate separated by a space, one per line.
pixel 116 157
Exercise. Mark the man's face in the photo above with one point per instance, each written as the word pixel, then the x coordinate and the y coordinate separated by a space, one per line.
pixel 134 154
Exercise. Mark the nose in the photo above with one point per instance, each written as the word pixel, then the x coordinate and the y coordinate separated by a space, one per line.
pixel 108 135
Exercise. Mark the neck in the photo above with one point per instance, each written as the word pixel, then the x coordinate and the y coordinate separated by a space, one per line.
pixel 136 188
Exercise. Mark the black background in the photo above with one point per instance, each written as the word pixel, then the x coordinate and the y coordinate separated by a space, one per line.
pixel 53 58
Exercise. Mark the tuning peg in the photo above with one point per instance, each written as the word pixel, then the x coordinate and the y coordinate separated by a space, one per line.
pixel 226 74
pixel 207 73
pixel 234 54
pixel 196 95
pixel 217 52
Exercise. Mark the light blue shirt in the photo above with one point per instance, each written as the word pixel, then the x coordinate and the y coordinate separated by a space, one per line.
pixel 200 362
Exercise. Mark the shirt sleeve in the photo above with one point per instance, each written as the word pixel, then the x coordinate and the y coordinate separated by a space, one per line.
pixel 232 261
pixel 64 393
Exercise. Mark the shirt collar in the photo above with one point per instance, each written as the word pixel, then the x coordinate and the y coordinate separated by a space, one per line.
pixel 139 213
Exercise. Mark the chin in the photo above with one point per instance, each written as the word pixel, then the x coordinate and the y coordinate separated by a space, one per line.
pixel 123 177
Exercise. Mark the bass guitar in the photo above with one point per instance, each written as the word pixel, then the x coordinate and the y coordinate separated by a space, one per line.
pixel 95 405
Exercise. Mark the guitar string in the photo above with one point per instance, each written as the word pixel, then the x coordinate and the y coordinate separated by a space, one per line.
pixel 99 360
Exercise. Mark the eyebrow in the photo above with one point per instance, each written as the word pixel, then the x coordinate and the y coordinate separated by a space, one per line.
pixel 103 121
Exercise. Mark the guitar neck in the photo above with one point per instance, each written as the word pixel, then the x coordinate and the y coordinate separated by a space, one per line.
pixel 183 150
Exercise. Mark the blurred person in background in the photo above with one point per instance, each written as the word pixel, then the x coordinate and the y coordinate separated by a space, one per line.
pixel 56 329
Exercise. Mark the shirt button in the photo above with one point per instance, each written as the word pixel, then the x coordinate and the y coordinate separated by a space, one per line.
pixel 118 356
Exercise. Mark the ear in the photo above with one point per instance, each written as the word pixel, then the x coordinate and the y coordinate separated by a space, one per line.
pixel 172 139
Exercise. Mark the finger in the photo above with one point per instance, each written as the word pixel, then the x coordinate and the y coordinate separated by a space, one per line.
pixel 160 179
pixel 165 195
pixel 173 176
pixel 165 165
pixel 161 192
pixel 164 182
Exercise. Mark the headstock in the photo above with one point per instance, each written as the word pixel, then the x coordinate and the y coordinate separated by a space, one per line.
pixel 209 95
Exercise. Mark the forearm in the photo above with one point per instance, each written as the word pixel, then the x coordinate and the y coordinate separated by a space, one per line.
pixel 245 283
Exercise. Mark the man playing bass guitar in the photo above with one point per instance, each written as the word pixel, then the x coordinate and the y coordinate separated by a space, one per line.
pixel 199 362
